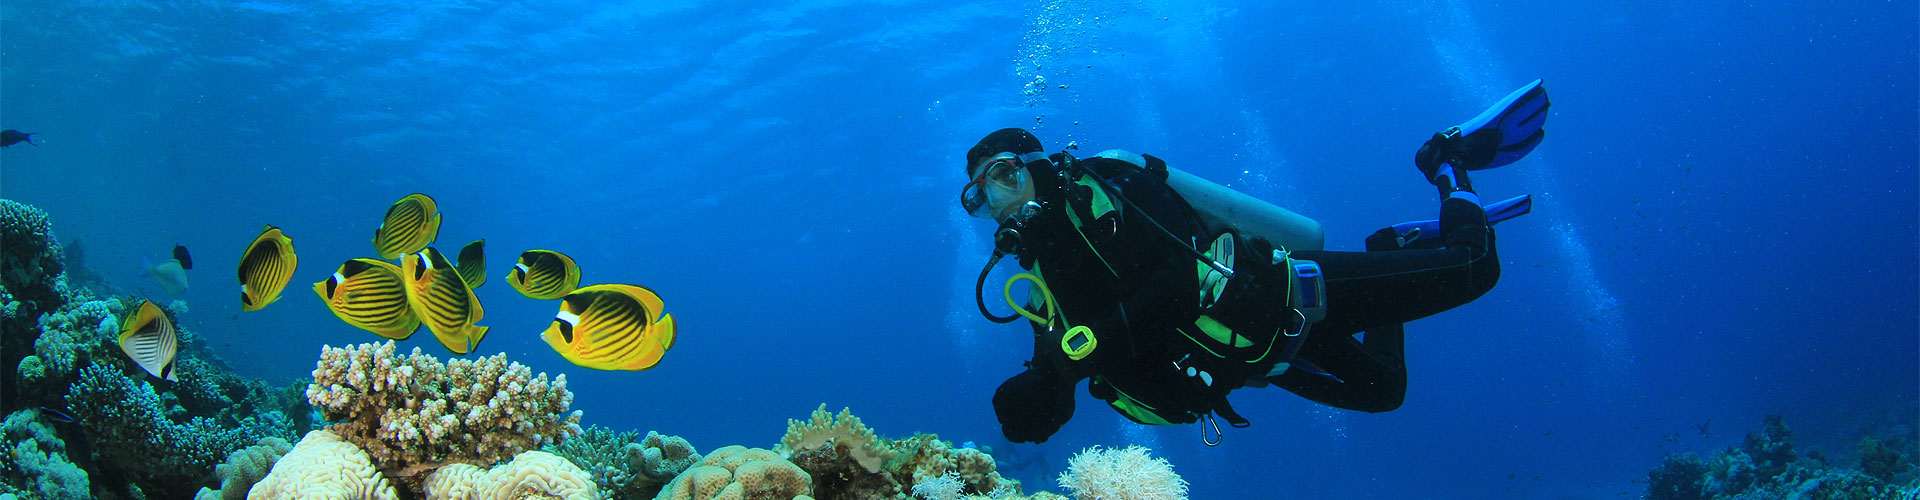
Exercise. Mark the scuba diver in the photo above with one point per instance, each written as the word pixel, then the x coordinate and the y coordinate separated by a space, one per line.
pixel 1169 291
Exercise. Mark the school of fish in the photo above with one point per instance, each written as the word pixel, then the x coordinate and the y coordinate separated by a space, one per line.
pixel 411 284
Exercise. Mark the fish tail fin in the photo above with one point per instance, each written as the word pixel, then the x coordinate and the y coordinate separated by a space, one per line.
pixel 473 334
pixel 666 330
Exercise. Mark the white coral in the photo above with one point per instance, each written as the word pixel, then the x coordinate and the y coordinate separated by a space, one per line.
pixel 1129 473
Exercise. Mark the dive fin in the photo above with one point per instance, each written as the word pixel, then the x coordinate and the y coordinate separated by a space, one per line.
pixel 1505 132
pixel 1410 233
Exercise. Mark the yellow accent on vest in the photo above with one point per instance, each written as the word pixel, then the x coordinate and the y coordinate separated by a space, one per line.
pixel 1221 333
pixel 1100 205
pixel 1134 409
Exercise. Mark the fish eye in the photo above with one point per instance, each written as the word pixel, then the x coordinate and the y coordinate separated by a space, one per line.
pixel 332 283
pixel 566 330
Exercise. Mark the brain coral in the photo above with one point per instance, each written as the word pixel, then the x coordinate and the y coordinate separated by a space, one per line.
pixel 531 475
pixel 323 466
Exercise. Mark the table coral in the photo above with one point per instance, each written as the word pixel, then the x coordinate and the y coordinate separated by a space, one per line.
pixel 324 466
pixel 413 414
pixel 531 475
pixel 737 472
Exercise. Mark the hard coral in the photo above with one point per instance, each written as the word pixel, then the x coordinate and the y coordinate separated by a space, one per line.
pixel 534 474
pixel 244 468
pixel 737 472
pixel 30 284
pixel 413 413
pixel 848 460
pixel 36 460
pixel 130 429
pixel 324 466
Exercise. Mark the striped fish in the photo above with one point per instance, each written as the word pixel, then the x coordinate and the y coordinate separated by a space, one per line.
pixel 150 340
pixel 442 300
pixel 411 224
pixel 611 327
pixel 544 274
pixel 473 263
pixel 266 268
pixel 370 295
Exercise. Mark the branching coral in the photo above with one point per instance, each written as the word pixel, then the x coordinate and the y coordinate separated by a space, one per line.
pixel 1129 473
pixel 624 468
pixel 413 413
pixel 737 472
pixel 244 468
pixel 30 284
pixel 531 475
pixel 602 453
pixel 130 428
pixel 36 460
pixel 324 466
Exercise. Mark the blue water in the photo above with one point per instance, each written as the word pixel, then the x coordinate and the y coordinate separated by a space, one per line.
pixel 1725 223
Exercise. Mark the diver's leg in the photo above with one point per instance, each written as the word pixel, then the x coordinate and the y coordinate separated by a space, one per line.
pixel 1371 289
pixel 1367 375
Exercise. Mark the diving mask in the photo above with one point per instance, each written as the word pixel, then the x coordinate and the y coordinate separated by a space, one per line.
pixel 998 184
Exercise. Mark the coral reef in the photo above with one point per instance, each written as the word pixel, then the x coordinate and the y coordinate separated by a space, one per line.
pixel 413 414
pixel 324 466
pixel 132 433
pixel 534 474
pixel 624 466
pixel 36 462
pixel 30 284
pixel 740 472
pixel 848 460
pixel 1129 473
pixel 1765 465
pixel 244 468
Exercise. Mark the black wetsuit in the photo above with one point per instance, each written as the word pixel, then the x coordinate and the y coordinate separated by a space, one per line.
pixel 1137 289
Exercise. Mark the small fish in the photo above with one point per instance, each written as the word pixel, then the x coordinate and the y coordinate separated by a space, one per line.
pixel 265 268
pixel 611 327
pixel 170 275
pixel 410 225
pixel 544 274
pixel 473 263
pixel 149 339
pixel 180 254
pixel 370 295
pixel 442 300
pixel 11 137
pixel 57 415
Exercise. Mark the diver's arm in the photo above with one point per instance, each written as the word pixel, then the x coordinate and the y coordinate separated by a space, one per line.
pixel 1035 403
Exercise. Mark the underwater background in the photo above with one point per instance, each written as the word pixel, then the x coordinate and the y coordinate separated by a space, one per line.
pixel 1724 224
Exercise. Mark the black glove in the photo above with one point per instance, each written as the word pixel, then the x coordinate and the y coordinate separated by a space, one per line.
pixel 1033 405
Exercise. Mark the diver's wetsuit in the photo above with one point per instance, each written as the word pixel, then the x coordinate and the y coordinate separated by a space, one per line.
pixel 1116 273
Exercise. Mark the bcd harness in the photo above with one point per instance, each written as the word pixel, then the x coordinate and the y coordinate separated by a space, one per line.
pixel 1238 332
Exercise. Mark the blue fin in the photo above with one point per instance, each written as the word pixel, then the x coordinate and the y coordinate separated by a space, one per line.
pixel 1499 211
pixel 1506 131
